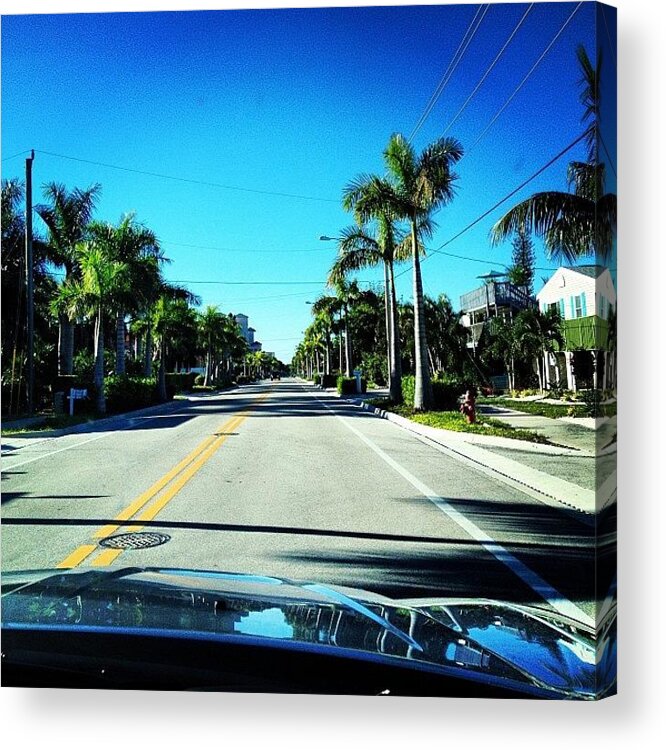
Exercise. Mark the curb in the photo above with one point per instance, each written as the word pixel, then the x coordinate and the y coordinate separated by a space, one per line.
pixel 480 440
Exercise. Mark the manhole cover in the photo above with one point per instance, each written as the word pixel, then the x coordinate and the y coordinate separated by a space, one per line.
pixel 137 540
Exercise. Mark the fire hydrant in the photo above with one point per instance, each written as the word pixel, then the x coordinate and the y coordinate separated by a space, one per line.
pixel 468 406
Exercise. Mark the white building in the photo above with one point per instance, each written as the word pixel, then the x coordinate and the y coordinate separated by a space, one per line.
pixel 584 296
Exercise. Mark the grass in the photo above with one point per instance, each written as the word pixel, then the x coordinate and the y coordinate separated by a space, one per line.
pixel 453 420
pixel 554 411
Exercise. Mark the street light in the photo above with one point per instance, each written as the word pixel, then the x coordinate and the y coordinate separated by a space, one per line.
pixel 326 238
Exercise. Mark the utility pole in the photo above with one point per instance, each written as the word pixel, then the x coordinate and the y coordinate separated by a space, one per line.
pixel 29 283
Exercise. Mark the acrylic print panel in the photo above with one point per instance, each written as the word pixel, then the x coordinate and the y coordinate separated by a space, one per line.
pixel 310 383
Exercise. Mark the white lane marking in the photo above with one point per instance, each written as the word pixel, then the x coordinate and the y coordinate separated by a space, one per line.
pixel 556 600
pixel 52 453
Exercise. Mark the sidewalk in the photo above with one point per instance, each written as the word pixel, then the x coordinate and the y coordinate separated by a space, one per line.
pixel 582 434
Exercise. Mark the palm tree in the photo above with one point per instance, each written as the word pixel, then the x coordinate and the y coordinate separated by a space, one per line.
pixel 211 328
pixel 325 309
pixel 580 222
pixel 101 281
pixel 505 345
pixel 137 246
pixel 417 185
pixel 358 249
pixel 539 334
pixel 166 314
pixel 447 337
pixel 66 216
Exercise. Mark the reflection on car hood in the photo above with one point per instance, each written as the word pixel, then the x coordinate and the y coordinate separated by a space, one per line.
pixel 482 638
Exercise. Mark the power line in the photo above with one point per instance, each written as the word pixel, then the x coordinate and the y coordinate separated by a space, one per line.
pixel 486 262
pixel 610 43
pixel 608 154
pixel 548 164
pixel 490 67
pixel 525 79
pixel 20 153
pixel 446 77
pixel 188 180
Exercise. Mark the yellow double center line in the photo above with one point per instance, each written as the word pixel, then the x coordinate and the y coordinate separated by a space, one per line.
pixel 172 482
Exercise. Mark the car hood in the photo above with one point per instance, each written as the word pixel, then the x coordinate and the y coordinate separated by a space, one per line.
pixel 480 638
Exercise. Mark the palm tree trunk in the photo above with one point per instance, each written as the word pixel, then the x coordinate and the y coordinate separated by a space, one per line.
pixel 348 347
pixel 328 351
pixel 422 383
pixel 100 400
pixel 148 354
pixel 396 353
pixel 161 376
pixel 66 346
pixel 209 357
pixel 120 343
pixel 387 316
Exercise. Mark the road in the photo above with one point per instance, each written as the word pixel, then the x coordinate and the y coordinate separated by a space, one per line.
pixel 282 480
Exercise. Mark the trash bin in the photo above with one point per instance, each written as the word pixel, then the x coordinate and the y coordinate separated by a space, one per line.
pixel 359 385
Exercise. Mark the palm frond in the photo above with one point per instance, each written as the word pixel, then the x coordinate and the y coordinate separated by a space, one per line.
pixel 586 180
pixel 401 162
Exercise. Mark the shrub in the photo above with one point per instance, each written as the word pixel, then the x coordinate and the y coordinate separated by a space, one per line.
pixel 446 394
pixel 408 389
pixel 316 378
pixel 593 399
pixel 446 391
pixel 375 367
pixel 347 386
pixel 224 381
pixel 177 382
pixel 125 393
pixel 329 381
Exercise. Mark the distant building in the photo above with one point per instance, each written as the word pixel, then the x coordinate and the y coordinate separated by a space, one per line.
pixel 585 298
pixel 242 321
pixel 250 336
pixel 255 346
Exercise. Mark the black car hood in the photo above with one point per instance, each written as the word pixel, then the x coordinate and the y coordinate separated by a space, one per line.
pixel 484 638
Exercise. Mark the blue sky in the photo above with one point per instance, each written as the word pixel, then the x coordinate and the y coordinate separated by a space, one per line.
pixel 296 102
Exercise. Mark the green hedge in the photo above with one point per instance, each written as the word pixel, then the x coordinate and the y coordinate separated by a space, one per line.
pixel 316 378
pixel 177 382
pixel 126 393
pixel 446 393
pixel 329 381
pixel 347 386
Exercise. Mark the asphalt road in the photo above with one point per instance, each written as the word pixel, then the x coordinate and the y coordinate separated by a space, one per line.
pixel 281 480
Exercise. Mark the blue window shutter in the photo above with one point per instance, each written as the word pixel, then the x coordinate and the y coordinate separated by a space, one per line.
pixel 573 307
pixel 562 308
pixel 583 305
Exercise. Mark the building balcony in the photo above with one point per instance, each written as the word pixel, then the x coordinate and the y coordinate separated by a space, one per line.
pixel 495 295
